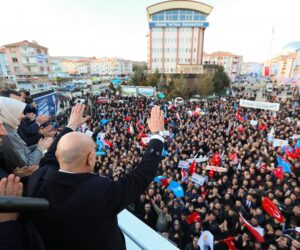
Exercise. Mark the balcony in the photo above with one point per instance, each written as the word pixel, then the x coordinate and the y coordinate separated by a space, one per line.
pixel 139 236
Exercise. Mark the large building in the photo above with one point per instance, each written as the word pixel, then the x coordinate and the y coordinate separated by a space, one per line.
pixel 98 66
pixel 232 63
pixel 29 62
pixel 252 69
pixel 285 66
pixel 176 36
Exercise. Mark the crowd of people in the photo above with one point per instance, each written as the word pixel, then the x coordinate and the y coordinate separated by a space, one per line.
pixel 242 139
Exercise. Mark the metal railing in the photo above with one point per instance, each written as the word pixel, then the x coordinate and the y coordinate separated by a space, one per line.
pixel 138 235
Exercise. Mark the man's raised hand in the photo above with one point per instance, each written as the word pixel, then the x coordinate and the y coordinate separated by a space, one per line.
pixel 156 121
pixel 77 118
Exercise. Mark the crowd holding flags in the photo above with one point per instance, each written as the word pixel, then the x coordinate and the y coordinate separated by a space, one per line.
pixel 257 232
pixel 271 209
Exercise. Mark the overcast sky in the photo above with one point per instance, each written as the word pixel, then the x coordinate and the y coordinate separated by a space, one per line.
pixel 118 27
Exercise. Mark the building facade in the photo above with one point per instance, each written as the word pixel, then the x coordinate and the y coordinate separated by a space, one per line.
pixel 176 36
pixel 285 67
pixel 30 63
pixel 232 63
pixel 5 74
pixel 98 66
pixel 251 69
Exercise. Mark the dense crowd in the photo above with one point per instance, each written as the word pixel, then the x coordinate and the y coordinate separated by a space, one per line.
pixel 196 130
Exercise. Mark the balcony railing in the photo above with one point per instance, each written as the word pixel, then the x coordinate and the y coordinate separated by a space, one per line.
pixel 139 236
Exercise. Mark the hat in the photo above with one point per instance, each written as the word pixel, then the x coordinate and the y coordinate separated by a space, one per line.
pixel 29 109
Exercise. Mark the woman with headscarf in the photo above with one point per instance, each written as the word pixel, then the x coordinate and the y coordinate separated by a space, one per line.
pixel 14 149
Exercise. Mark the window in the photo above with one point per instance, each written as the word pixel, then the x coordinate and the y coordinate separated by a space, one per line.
pixel 14 59
pixel 42 69
pixel 39 51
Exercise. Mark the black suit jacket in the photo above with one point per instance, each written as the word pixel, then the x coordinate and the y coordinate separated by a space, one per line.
pixel 83 207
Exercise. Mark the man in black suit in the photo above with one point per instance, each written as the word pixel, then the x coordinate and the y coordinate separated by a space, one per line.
pixel 83 207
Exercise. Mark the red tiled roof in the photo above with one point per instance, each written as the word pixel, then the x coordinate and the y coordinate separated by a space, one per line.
pixel 25 42
pixel 222 54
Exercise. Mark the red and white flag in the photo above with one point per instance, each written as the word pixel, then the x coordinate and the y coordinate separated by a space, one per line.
pixel 230 243
pixel 278 173
pixel 130 130
pixel 170 107
pixel 107 143
pixel 271 209
pixel 192 167
pixel 257 232
pixel 183 175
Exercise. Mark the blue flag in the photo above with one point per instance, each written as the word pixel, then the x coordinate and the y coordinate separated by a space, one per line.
pixel 100 153
pixel 281 162
pixel 104 121
pixel 176 188
pixel 298 143
pixel 164 152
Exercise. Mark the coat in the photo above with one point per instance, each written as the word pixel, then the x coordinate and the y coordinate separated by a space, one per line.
pixel 16 153
pixel 29 132
pixel 83 207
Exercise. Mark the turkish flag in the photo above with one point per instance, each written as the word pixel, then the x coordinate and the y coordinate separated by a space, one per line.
pixel 230 244
pixel 239 117
pixel 262 127
pixel 290 152
pixel 194 217
pixel 164 182
pixel 216 160
pixel 267 71
pixel 192 167
pixel 271 209
pixel 256 232
pixel 128 118
pixel 278 173
pixel 241 129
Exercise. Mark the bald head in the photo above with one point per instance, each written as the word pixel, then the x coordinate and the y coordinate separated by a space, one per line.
pixel 76 153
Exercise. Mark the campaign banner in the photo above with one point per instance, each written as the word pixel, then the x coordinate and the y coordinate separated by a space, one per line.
pixel 198 179
pixel 280 143
pixel 259 105
pixel 144 91
pixel 253 122
pixel 129 91
pixel 198 160
pixel 183 164
pixel 217 169
pixel 47 104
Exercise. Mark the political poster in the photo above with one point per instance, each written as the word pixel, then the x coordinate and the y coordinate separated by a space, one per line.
pixel 253 122
pixel 128 91
pixel 280 143
pixel 146 91
pixel 47 104
pixel 199 160
pixel 183 164
pixel 198 179
pixel 206 241
pixel 259 105
pixel 217 169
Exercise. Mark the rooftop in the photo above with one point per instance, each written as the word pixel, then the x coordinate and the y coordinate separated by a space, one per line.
pixel 25 43
pixel 222 54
